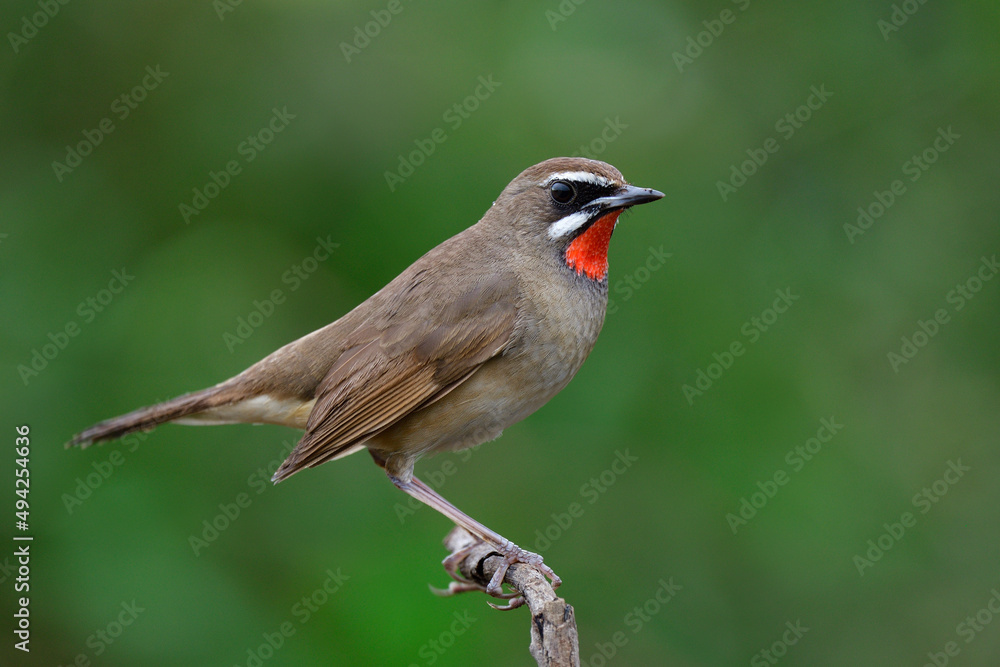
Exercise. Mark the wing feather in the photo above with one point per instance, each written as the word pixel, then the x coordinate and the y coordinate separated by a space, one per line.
pixel 398 368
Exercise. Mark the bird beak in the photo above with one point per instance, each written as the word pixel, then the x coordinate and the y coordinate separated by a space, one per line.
pixel 628 195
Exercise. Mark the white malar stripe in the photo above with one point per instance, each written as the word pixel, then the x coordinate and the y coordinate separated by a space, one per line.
pixel 578 176
pixel 569 224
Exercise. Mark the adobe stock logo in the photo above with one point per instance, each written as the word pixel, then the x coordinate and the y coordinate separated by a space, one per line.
pixel 432 650
pixel 913 169
pixel 212 527
pixel 592 491
pixel 31 25
pixel 968 629
pixel 122 106
pixel 635 620
pixel 104 637
pixel 612 130
pixel 752 329
pixel 778 649
pixel 566 9
pixel 249 149
pixel 786 126
pixel 901 13
pixel 454 116
pixel 87 310
pixel 696 44
pixel 363 35
pixel 633 282
pixel 264 308
pixel 923 500
pixel 959 297
pixel 223 7
pixel 303 610
pixel 102 471
pixel 797 458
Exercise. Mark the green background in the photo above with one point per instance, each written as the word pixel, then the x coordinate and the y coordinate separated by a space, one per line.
pixel 560 84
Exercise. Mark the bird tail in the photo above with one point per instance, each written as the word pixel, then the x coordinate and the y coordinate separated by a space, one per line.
pixel 145 419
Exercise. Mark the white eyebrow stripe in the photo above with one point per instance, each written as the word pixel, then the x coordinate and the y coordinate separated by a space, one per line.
pixel 579 176
pixel 569 224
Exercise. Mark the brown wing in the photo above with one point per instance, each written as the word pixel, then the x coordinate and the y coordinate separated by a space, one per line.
pixel 401 367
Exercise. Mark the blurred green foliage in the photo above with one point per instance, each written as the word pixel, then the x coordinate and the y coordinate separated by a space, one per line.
pixel 685 113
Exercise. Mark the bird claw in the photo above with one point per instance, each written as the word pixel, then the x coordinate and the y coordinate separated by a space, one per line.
pixel 515 554
pixel 511 554
pixel 451 565
pixel 461 584
pixel 518 601
pixel 454 588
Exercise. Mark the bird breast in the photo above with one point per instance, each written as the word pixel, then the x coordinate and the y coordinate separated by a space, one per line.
pixel 558 325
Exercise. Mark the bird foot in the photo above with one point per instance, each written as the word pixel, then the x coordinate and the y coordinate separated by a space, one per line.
pixel 511 554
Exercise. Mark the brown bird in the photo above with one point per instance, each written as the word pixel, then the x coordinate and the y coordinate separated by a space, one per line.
pixel 473 337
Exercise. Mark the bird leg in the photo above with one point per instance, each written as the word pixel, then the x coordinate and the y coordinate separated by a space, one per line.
pixel 510 552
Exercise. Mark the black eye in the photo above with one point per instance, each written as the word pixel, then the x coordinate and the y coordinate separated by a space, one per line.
pixel 562 192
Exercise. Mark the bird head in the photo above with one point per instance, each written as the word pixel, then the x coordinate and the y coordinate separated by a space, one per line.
pixel 570 206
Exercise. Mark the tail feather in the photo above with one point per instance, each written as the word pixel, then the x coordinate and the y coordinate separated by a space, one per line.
pixel 145 419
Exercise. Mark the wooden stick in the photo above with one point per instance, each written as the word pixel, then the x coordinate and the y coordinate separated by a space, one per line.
pixel 554 638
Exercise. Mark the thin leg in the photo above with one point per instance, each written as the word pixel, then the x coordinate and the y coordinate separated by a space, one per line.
pixel 510 551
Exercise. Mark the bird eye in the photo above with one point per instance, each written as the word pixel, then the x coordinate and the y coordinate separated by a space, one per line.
pixel 562 192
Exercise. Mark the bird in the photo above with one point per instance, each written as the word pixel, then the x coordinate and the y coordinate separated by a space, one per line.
pixel 473 337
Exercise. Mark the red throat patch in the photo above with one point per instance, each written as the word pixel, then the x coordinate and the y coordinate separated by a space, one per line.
pixel 588 253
